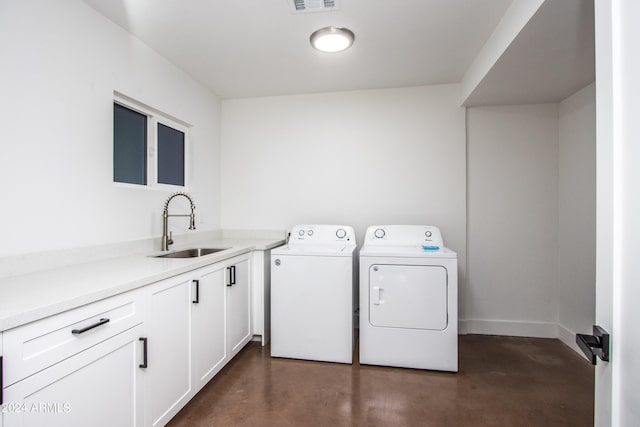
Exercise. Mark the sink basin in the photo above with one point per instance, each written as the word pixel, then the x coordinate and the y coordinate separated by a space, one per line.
pixel 191 253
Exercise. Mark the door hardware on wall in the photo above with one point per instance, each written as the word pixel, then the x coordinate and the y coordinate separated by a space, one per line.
pixel 595 345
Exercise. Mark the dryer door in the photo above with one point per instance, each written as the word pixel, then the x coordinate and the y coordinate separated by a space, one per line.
pixel 408 296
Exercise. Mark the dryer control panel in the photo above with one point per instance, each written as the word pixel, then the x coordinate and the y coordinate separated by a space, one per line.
pixel 321 234
pixel 404 235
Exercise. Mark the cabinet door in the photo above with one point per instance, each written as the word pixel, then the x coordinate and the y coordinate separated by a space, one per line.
pixel 239 305
pixel 168 381
pixel 100 386
pixel 1 380
pixel 209 323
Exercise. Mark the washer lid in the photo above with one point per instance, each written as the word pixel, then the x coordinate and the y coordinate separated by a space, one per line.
pixel 412 251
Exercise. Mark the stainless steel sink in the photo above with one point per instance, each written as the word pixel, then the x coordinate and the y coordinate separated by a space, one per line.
pixel 191 253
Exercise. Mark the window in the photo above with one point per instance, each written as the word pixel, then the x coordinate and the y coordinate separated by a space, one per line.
pixel 170 155
pixel 149 148
pixel 129 146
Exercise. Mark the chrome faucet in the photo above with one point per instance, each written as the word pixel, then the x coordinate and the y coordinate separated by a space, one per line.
pixel 167 238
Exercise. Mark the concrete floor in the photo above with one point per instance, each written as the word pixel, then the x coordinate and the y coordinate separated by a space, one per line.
pixel 503 381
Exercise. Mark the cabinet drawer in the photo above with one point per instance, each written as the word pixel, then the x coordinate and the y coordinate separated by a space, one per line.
pixel 38 345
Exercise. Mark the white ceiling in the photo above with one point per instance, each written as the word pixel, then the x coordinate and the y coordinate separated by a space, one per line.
pixel 551 58
pixel 255 48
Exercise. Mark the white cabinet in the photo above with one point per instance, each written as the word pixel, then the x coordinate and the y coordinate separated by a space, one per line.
pixel 1 382
pixel 209 312
pixel 74 368
pixel 130 360
pixel 221 316
pixel 97 387
pixel 168 375
pixel 35 346
pixel 197 322
pixel 239 304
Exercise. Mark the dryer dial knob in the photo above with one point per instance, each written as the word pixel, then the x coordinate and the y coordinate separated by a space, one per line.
pixel 301 233
pixel 341 233
pixel 379 233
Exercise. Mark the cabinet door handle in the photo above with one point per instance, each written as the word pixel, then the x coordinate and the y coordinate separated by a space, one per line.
pixel 144 353
pixel 197 299
pixel 87 328
pixel 233 273
pixel 1 382
pixel 229 276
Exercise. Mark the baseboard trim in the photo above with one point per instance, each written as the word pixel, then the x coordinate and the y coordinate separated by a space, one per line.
pixel 521 329
pixel 508 328
pixel 568 337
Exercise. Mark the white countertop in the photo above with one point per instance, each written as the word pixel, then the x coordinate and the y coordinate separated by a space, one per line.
pixel 28 297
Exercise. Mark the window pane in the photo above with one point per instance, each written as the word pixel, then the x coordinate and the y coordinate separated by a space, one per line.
pixel 129 146
pixel 170 155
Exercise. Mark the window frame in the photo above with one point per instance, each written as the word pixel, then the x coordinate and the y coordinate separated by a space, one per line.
pixel 154 117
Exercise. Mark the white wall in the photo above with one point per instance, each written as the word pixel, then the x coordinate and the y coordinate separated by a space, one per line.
pixel 512 220
pixel 577 215
pixel 358 158
pixel 61 63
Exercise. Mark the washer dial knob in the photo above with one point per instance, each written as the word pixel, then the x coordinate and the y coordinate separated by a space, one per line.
pixel 310 233
pixel 301 233
pixel 341 233
pixel 379 233
pixel 427 233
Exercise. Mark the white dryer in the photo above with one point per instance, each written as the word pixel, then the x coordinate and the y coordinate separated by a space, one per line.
pixel 408 299
pixel 314 294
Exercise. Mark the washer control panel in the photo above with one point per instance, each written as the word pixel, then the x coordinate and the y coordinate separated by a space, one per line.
pixel 379 233
pixel 322 234
pixel 404 235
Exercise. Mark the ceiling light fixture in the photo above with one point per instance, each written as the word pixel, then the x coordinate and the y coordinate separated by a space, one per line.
pixel 332 39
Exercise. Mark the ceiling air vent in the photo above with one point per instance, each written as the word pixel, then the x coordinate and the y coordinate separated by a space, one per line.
pixel 308 6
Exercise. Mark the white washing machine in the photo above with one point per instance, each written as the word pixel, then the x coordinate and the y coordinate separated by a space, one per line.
pixel 313 294
pixel 408 299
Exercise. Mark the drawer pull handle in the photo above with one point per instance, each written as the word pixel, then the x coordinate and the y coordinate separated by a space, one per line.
pixel 95 325
pixel 144 352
